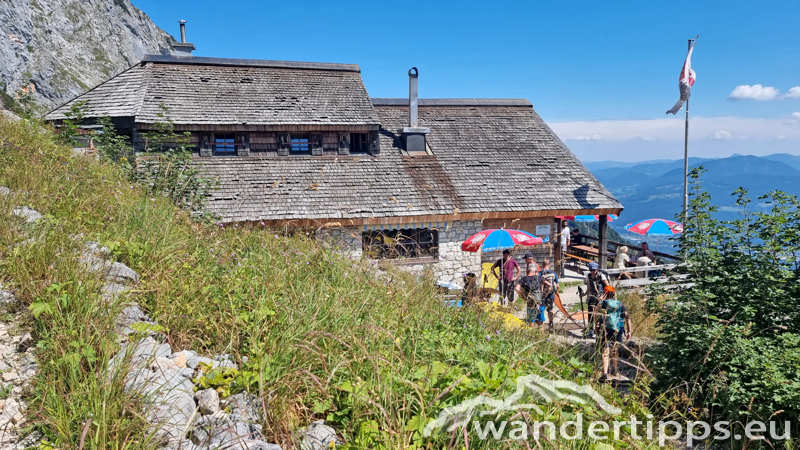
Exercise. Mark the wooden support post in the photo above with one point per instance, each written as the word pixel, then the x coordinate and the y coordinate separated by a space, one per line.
pixel 602 246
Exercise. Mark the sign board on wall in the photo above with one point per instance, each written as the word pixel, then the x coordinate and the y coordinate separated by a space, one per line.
pixel 542 230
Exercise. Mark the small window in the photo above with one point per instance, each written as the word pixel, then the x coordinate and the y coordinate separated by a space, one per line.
pixel 224 144
pixel 300 144
pixel 359 143
pixel 394 244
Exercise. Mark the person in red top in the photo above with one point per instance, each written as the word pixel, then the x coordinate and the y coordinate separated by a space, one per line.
pixel 507 278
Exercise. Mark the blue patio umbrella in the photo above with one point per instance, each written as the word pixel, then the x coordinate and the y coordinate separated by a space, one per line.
pixel 611 218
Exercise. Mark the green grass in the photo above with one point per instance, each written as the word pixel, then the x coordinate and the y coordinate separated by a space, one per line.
pixel 326 337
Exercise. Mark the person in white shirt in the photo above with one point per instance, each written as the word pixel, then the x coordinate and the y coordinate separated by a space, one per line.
pixel 621 261
pixel 564 241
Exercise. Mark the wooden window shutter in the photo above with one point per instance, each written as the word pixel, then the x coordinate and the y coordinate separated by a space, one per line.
pixel 344 143
pixel 204 143
pixel 374 142
pixel 284 141
pixel 243 144
pixel 315 141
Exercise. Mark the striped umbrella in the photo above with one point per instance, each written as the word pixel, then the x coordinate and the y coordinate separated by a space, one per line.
pixel 655 227
pixel 498 239
pixel 611 218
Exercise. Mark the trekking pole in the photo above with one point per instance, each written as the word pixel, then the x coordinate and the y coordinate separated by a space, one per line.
pixel 580 294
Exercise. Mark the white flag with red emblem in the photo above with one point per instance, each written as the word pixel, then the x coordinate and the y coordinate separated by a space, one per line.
pixel 686 81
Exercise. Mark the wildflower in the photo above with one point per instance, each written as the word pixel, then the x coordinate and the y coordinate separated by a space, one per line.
pixel 283 253
pixel 306 262
pixel 262 223
pixel 276 236
pixel 488 338
pixel 239 264
pixel 497 331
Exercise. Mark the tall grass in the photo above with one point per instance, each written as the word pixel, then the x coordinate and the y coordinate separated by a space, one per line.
pixel 74 330
pixel 316 334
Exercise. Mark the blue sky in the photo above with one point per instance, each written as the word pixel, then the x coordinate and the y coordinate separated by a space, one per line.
pixel 600 73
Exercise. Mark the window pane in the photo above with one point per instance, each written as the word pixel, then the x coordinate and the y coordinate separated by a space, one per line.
pixel 300 143
pixel 409 243
pixel 358 143
pixel 224 143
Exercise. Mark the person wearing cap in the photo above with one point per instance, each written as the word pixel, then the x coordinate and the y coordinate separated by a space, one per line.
pixel 507 278
pixel 596 283
pixel 529 261
pixel 616 327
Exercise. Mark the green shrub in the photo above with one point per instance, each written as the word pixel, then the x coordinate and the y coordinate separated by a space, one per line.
pixel 730 342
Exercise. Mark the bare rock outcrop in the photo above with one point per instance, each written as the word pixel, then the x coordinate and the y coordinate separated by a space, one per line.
pixel 57 49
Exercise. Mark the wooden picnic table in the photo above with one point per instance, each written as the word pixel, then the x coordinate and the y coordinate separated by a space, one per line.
pixel 588 250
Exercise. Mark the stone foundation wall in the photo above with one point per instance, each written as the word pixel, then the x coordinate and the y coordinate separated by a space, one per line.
pixel 452 261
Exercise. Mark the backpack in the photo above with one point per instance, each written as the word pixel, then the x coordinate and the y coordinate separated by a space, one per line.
pixel 550 277
pixel 613 315
pixel 597 283
pixel 530 286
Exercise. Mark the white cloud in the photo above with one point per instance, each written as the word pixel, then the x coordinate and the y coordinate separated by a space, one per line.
pixel 721 134
pixel 623 139
pixel 670 129
pixel 793 93
pixel 594 137
pixel 755 92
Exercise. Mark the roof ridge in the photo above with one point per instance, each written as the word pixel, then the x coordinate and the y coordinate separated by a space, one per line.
pixel 142 91
pixel 90 90
pixel 381 101
pixel 278 64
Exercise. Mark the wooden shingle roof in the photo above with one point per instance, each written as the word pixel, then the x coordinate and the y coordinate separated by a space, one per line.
pixel 491 158
pixel 215 91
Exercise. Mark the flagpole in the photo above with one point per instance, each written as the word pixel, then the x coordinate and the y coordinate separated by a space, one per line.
pixel 686 155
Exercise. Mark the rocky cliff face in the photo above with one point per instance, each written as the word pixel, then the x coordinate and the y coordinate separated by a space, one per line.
pixel 53 50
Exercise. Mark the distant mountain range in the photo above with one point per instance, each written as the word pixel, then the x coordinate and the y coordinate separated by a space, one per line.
pixel 652 189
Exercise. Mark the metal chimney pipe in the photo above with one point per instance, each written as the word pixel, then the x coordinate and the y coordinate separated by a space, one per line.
pixel 183 30
pixel 413 96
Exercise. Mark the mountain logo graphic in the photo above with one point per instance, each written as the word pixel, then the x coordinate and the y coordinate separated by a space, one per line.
pixel 529 387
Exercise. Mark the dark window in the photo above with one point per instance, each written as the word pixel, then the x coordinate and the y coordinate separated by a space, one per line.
pixel 359 143
pixel 224 144
pixel 393 244
pixel 300 144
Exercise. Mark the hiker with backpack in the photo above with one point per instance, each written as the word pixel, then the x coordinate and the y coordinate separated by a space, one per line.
pixel 616 328
pixel 596 282
pixel 528 288
pixel 549 283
